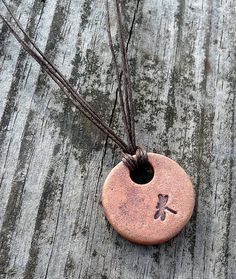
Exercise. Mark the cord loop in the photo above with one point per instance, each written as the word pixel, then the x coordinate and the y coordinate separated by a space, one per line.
pixel 137 161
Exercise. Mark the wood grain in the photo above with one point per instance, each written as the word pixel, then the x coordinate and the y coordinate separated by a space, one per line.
pixel 53 162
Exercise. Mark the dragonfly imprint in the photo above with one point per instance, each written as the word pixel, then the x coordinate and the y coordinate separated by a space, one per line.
pixel 162 208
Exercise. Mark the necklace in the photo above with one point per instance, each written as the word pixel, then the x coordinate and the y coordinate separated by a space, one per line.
pixel 147 198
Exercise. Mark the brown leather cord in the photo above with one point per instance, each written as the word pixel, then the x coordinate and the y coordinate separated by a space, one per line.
pixel 119 76
pixel 126 103
pixel 126 75
pixel 141 158
pixel 136 162
pixel 55 74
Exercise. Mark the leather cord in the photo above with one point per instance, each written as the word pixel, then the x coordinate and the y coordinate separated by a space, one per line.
pixel 126 101
pixel 136 162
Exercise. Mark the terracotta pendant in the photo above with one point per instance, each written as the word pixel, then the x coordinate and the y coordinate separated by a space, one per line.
pixel 150 213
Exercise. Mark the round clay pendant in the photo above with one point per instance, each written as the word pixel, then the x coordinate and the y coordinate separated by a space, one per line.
pixel 150 213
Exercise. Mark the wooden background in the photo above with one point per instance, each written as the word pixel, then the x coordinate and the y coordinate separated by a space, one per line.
pixel 53 161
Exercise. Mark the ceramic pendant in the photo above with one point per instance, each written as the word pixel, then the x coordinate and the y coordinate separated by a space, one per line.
pixel 150 213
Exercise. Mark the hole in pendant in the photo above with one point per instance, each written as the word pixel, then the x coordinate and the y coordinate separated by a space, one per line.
pixel 142 175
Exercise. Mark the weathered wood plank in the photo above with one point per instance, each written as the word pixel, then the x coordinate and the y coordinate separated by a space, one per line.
pixel 53 161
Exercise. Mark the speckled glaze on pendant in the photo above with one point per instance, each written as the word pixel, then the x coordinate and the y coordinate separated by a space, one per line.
pixel 151 213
